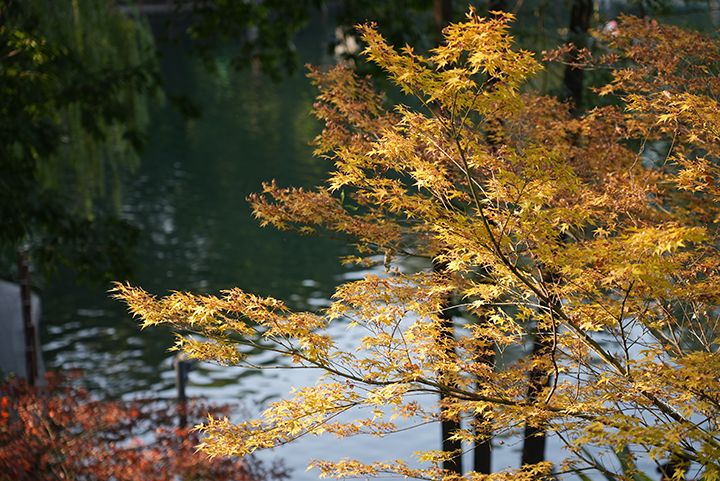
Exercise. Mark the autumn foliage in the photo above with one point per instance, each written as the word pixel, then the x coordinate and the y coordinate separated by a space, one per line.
pixel 59 431
pixel 593 236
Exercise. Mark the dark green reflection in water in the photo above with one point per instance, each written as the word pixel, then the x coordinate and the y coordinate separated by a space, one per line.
pixel 189 197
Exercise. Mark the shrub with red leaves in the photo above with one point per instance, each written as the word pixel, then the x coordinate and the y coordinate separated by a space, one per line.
pixel 59 431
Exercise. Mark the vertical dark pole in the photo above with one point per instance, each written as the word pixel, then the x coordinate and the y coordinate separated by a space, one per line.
pixel 31 354
pixel 535 435
pixel 448 425
pixel 538 379
pixel 442 14
pixel 482 452
pixel 180 379
pixel 182 366
pixel 580 17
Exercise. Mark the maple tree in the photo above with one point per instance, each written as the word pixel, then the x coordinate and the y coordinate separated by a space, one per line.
pixel 592 235
pixel 59 431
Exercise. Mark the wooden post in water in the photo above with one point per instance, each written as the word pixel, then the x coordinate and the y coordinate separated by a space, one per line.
pixel 31 355
pixel 183 365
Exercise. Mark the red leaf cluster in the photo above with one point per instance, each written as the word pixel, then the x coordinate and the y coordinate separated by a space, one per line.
pixel 59 431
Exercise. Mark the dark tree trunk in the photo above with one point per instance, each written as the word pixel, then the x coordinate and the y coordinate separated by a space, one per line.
pixel 482 454
pixel 535 436
pixel 31 355
pixel 442 13
pixel 448 425
pixel 573 80
pixel 641 10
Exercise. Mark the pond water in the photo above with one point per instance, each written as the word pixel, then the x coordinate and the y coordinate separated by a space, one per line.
pixel 189 197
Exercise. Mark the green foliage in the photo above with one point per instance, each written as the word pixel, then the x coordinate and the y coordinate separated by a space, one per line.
pixel 264 30
pixel 566 229
pixel 75 81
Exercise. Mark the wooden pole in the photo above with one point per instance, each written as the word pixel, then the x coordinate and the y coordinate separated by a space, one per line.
pixel 31 355
pixel 183 366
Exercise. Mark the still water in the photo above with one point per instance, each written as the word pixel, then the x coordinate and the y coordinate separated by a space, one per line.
pixel 199 234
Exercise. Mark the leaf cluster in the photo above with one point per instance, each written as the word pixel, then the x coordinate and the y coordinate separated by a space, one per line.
pixel 59 431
